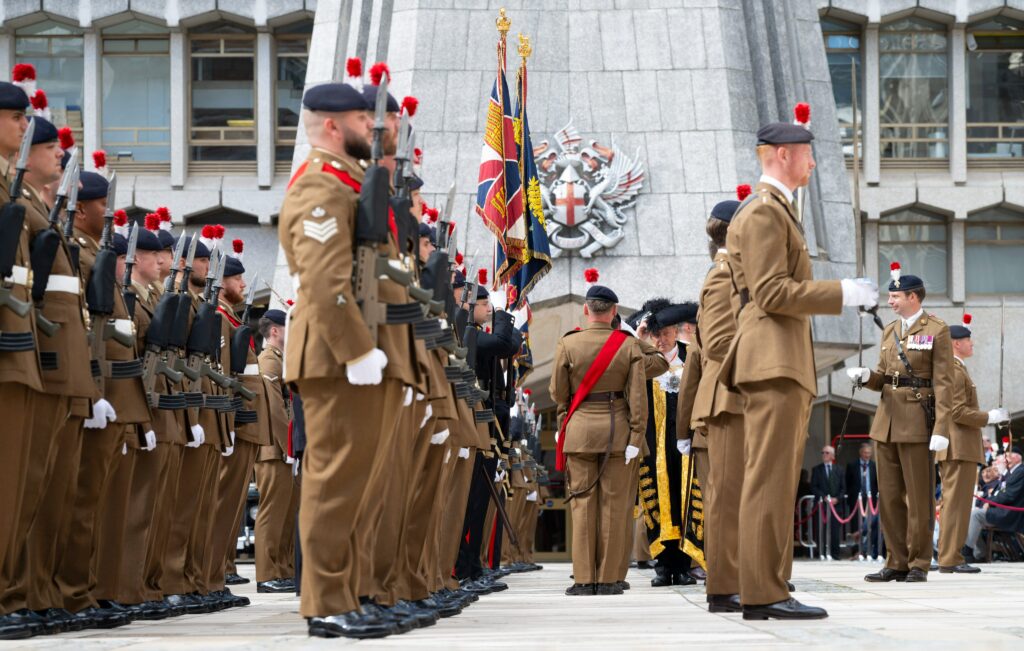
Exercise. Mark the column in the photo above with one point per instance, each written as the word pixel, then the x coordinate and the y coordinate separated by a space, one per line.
pixel 957 231
pixel 958 105
pixel 870 234
pixel 7 51
pixel 92 95
pixel 179 109
pixel 266 118
pixel 872 132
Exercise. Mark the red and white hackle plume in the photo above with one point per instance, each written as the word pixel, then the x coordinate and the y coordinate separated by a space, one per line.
pixel 66 138
pixel 237 246
pixel 894 273
pixel 591 276
pixel 459 263
pixel 743 191
pixel 152 222
pixel 41 105
pixel 481 277
pixel 218 236
pixel 165 218
pixel 409 105
pixel 417 160
pixel 24 76
pixel 377 72
pixel 354 72
pixel 967 321
pixel 431 215
pixel 99 161
pixel 802 115
pixel 121 223
pixel 207 235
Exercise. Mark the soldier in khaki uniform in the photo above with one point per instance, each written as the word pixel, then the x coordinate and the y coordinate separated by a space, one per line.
pixel 601 441
pixel 958 464
pixel 911 396
pixel 771 363
pixel 275 477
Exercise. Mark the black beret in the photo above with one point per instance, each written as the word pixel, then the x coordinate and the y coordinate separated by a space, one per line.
pixel 906 283
pixel 167 240
pixel 370 95
pixel 482 293
pixel 276 316
pixel 783 133
pixel 459 280
pixel 426 231
pixel 602 293
pixel 94 186
pixel 201 250
pixel 335 97
pixel 12 97
pixel 725 210
pixel 233 267
pixel 45 131
pixel 413 182
pixel 120 243
pixel 1017 450
pixel 148 240
pixel 959 332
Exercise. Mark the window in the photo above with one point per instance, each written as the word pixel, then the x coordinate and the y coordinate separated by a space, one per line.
pixel 292 43
pixel 917 239
pixel 914 111
pixel 223 93
pixel 56 50
pixel 842 49
pixel 136 93
pixel 995 89
pixel 992 254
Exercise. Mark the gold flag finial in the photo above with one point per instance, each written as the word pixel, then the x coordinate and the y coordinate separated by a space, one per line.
pixel 503 23
pixel 525 49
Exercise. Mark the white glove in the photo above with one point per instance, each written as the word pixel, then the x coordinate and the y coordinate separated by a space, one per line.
pixel 408 396
pixel 998 415
pixel 369 369
pixel 631 452
pixel 289 460
pixel 150 441
pixel 859 292
pixel 124 449
pixel 499 476
pixel 426 416
pixel 463 453
pixel 515 410
pixel 420 397
pixel 198 437
pixel 531 496
pixel 938 442
pixel 102 413
pixel 858 375
pixel 684 445
pixel 231 448
pixel 439 438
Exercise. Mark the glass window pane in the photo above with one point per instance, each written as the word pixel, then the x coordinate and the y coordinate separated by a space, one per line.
pixel 205 45
pixel 136 106
pixel 49 28
pixel 63 84
pixel 981 232
pixel 291 76
pixel 136 27
pixel 234 153
pixel 119 45
pixel 914 89
pixel 995 92
pixel 292 46
pixel 1011 233
pixel 222 90
pixel 925 260
pixel 154 45
pixel 67 46
pixel 235 46
pixel 993 269
pixel 32 47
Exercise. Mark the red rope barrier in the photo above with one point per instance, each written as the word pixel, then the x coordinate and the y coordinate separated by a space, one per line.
pixel 836 515
pixel 1005 507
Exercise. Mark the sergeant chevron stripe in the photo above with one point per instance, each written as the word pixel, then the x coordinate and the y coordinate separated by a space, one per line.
pixel 320 231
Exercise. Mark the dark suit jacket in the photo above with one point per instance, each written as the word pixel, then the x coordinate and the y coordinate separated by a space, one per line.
pixel 1011 495
pixel 853 477
pixel 834 486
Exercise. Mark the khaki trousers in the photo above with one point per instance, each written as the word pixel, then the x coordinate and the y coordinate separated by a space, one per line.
pixel 530 529
pixel 456 499
pixel 48 535
pixel 232 490
pixel 156 552
pixel 514 508
pixel 76 576
pixel 907 503
pixel 600 516
pixel 722 503
pixel 19 412
pixel 423 514
pixel 641 548
pixel 190 515
pixel 111 525
pixel 775 433
pixel 51 413
pixel 959 479
pixel 148 470
pixel 346 426
pixel 274 519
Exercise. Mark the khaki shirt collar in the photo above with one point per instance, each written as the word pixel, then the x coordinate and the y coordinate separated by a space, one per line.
pixel 598 325
pixel 141 290
pixel 777 184
pixel 318 155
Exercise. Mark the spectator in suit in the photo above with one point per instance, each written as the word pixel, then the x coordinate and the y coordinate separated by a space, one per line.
pixel 986 445
pixel 1010 493
pixel 829 485
pixel 988 484
pixel 862 482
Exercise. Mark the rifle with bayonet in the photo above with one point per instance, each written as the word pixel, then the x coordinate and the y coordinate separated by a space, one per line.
pixel 12 220
pixel 156 358
pixel 203 344
pixel 74 251
pixel 241 339
pixel 180 312
pixel 129 263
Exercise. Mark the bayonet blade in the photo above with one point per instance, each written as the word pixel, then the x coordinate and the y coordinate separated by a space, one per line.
pixel 403 135
pixel 179 249
pixel 193 241
pixel 133 241
pixel 73 191
pixel 222 263
pixel 380 112
pixel 111 194
pixel 449 204
pixel 252 289
pixel 69 173
pixel 211 272
pixel 26 145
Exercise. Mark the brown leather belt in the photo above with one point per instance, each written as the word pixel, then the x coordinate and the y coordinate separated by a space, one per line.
pixel 606 396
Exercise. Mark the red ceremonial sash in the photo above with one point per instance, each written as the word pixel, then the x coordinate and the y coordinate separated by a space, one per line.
pixel 593 374
pixel 347 179
pixel 235 322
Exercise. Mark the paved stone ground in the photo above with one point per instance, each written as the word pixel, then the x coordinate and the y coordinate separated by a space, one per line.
pixel 950 611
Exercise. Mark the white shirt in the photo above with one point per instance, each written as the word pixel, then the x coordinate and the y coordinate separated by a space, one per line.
pixel 786 192
pixel 909 322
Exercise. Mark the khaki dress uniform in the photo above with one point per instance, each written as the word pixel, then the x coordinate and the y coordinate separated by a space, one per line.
pixel 275 480
pixel 771 364
pixel 470 436
pixel 20 382
pixel 958 465
pixel 66 375
pixel 721 410
pixel 905 469
pixel 600 515
pixel 326 332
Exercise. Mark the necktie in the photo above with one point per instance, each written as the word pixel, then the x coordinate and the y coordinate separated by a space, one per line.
pixel 865 478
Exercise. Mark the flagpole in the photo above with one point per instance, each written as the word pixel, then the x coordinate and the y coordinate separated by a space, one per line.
pixel 504 25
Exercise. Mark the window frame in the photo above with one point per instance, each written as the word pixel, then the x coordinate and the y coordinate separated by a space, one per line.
pixel 983 218
pixel 284 35
pixel 934 218
pixel 74 32
pixel 857 32
pixel 987 29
